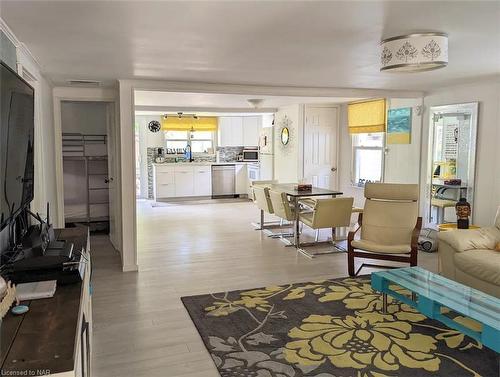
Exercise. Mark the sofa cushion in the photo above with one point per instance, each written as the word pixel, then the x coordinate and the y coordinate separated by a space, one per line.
pixel 471 239
pixel 482 264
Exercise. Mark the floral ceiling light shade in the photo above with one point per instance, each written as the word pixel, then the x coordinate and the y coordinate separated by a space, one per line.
pixel 414 52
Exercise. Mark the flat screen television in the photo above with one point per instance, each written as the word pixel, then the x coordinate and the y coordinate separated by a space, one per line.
pixel 17 109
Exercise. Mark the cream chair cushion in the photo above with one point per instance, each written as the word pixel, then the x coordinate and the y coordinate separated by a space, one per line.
pixel 391 191
pixel 261 194
pixel 329 213
pixel 281 206
pixel 482 264
pixel 389 223
pixel 378 248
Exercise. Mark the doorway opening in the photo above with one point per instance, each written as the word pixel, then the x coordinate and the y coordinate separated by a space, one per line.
pixel 87 158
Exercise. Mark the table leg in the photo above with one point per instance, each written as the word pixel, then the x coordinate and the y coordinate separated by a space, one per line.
pixel 384 302
pixel 261 219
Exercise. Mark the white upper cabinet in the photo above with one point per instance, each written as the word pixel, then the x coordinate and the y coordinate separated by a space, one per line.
pixel 224 133
pixel 251 129
pixel 239 131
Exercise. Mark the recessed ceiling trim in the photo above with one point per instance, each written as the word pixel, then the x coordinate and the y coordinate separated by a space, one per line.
pixel 176 109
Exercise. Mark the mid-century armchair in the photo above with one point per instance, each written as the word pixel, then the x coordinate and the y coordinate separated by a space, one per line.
pixel 388 227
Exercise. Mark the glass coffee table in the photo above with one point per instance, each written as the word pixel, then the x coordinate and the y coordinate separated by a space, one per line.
pixel 430 292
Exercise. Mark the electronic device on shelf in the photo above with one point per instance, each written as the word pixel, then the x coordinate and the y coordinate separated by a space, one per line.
pixel 29 251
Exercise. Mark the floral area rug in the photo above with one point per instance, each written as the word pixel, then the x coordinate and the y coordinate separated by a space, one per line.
pixel 331 328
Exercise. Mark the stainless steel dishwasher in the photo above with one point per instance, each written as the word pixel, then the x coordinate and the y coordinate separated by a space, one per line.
pixel 223 181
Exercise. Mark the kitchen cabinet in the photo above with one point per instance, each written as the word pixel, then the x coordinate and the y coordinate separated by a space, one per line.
pixel 251 130
pixel 239 131
pixel 241 179
pixel 192 180
pixel 224 132
pixel 230 131
pixel 202 180
pixel 184 181
pixel 163 182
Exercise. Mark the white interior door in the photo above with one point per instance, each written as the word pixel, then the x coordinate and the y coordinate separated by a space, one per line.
pixel 114 228
pixel 320 146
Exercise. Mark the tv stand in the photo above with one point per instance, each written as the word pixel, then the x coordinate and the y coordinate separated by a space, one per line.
pixel 65 320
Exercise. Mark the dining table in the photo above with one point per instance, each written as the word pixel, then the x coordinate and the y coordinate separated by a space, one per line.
pixel 294 195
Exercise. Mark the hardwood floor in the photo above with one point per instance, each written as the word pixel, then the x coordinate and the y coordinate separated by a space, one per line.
pixel 140 325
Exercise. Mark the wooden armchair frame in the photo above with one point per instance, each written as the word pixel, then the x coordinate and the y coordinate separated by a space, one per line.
pixel 353 253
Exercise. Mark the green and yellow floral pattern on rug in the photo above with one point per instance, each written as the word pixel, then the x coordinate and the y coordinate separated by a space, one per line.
pixel 331 328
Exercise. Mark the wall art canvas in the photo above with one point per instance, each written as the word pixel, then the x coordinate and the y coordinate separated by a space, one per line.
pixel 399 126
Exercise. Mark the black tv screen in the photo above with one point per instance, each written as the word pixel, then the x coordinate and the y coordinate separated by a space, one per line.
pixel 17 108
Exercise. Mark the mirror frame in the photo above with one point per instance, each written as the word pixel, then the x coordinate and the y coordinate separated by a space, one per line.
pixel 472 108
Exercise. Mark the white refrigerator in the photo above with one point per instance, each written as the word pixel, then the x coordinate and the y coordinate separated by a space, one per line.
pixel 266 147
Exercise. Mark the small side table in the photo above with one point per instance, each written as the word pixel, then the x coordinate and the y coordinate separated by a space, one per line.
pixel 453 226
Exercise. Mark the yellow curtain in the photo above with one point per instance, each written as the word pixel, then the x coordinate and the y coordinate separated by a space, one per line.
pixel 367 116
pixel 174 123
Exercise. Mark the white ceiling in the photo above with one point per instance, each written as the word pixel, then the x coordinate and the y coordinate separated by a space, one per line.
pixel 290 43
pixel 215 101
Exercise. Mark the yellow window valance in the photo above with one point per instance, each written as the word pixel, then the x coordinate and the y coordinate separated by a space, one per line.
pixel 174 123
pixel 367 116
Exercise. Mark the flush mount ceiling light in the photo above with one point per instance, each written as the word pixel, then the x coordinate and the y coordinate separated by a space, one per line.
pixel 255 102
pixel 414 52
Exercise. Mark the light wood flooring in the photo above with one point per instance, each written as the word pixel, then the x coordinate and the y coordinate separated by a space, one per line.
pixel 140 325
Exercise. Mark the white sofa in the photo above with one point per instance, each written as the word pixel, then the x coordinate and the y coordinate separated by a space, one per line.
pixel 468 256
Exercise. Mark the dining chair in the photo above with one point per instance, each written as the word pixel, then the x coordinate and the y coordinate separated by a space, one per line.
pixel 283 208
pixel 329 213
pixel 260 196
pixel 388 227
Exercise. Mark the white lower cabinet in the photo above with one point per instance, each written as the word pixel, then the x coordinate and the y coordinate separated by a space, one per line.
pixel 202 180
pixel 241 179
pixel 184 181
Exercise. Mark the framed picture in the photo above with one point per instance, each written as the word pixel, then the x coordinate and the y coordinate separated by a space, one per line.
pixel 399 126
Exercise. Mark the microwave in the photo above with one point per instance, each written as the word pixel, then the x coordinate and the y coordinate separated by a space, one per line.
pixel 250 155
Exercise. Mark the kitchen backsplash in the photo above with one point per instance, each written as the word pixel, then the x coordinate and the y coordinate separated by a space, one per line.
pixel 229 154
pixel 152 153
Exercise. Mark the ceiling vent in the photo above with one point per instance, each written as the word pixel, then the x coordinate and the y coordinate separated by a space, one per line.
pixel 84 82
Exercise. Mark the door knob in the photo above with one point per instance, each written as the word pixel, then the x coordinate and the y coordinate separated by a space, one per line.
pixel 333 169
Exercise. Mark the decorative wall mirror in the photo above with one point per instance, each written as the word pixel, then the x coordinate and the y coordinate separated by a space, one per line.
pixel 285 135
pixel 452 158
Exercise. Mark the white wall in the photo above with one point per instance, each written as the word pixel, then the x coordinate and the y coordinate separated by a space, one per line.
pixel 147 139
pixel 288 161
pixel 487 182
pixel 402 160
pixel 88 118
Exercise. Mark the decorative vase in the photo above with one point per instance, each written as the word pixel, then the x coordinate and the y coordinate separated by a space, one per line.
pixel 463 211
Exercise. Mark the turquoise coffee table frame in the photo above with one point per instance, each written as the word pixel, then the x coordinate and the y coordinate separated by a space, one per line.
pixel 431 292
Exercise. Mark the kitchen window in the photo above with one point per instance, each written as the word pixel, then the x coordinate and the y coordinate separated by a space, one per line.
pixel 367 158
pixel 200 141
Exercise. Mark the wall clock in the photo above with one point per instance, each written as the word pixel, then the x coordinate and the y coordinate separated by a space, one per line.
pixel 154 126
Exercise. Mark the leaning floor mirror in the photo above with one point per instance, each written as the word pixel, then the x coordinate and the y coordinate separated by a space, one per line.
pixel 452 157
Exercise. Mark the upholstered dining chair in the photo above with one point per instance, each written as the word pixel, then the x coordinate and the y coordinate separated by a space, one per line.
pixel 282 208
pixel 263 202
pixel 329 213
pixel 388 227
